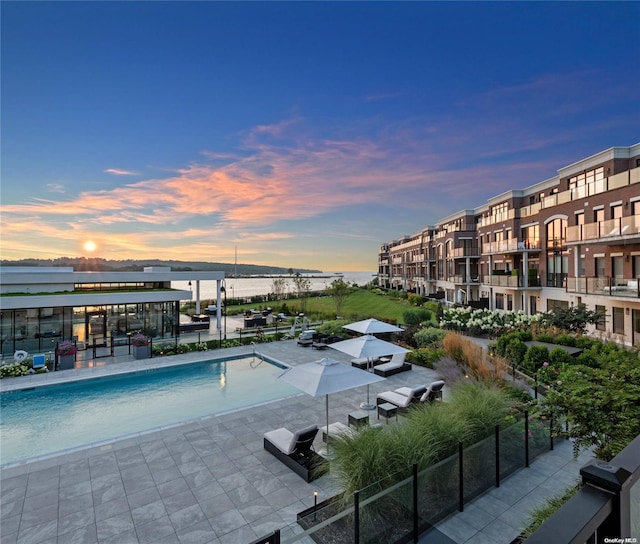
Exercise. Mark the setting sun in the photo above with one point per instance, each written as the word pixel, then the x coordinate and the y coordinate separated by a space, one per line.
pixel 90 246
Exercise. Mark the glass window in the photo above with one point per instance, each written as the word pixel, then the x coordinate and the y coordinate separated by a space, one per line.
pixel 499 301
pixel 598 215
pixel 618 320
pixel 600 268
pixel 601 324
pixel 617 267
pixel 616 211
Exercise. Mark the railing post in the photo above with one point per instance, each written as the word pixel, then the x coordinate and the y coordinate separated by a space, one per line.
pixel 497 455
pixel 617 481
pixel 416 535
pixel 460 478
pixel 551 433
pixel 526 438
pixel 356 517
pixel 276 536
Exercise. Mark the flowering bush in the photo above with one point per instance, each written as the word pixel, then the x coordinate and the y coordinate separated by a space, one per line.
pixel 482 321
pixel 67 347
pixel 202 346
pixel 139 340
pixel 12 370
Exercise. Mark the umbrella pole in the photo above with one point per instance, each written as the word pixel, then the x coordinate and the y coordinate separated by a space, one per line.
pixel 327 408
pixel 367 405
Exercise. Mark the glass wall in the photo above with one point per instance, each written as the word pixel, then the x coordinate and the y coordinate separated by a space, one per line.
pixel 40 329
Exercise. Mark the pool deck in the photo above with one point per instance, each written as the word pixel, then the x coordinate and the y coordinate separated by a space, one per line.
pixel 211 481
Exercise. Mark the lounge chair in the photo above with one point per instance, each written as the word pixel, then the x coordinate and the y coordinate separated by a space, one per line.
pixel 364 363
pixel 336 429
pixel 395 366
pixel 295 450
pixel 433 392
pixel 38 362
pixel 402 397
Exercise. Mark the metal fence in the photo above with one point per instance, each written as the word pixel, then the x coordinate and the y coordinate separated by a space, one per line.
pixel 410 503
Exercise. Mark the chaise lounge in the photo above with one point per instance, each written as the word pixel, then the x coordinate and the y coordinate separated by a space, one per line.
pixel 395 366
pixel 403 397
pixel 295 450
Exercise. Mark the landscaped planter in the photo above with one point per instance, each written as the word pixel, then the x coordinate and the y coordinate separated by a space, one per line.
pixel 141 352
pixel 66 362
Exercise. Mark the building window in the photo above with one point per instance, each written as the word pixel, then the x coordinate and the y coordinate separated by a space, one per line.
pixel 600 270
pixel 617 270
pixel 499 301
pixel 598 215
pixel 601 324
pixel 616 211
pixel 618 320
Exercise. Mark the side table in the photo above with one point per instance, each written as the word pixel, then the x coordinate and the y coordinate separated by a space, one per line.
pixel 387 410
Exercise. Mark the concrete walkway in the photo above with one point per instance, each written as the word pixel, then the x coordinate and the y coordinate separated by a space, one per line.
pixel 211 481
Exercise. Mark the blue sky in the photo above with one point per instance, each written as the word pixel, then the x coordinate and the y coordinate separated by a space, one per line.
pixel 306 133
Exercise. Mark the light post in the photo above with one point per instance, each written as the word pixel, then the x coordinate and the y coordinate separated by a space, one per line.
pixel 224 308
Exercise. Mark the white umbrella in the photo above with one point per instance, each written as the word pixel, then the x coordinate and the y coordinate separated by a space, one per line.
pixel 372 326
pixel 368 347
pixel 327 376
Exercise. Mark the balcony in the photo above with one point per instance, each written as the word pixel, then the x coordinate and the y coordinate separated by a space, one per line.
pixel 623 227
pixel 606 286
pixel 616 181
pixel 462 252
pixel 498 218
pixel 511 245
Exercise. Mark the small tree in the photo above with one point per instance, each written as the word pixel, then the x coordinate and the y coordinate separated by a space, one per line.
pixel 339 291
pixel 574 318
pixel 278 287
pixel 302 287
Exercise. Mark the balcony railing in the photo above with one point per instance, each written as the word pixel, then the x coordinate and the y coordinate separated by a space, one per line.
pixel 615 287
pixel 616 181
pixel 510 245
pixel 460 252
pixel 497 218
pixel 611 228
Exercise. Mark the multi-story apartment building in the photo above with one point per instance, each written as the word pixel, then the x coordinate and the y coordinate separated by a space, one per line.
pixel 571 239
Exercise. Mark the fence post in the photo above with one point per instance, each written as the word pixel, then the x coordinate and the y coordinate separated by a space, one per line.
pixel 276 536
pixel 460 478
pixel 617 481
pixel 526 438
pixel 497 455
pixel 551 433
pixel 415 503
pixel 356 517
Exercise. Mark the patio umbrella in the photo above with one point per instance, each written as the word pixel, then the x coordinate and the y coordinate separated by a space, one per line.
pixel 327 376
pixel 372 326
pixel 368 347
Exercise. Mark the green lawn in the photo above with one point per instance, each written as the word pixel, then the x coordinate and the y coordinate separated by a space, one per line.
pixel 362 304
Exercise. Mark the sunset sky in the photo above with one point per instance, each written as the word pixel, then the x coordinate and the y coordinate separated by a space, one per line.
pixel 304 134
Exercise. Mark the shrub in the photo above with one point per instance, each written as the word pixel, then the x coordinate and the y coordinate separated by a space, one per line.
pixel 565 340
pixel 13 370
pixel 334 328
pixel 515 351
pixel 545 337
pixel 535 356
pixel 429 337
pixel 559 357
pixel 425 356
pixel 417 316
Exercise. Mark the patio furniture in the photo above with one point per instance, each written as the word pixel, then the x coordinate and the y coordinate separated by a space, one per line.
pixel 295 450
pixel 387 411
pixel 433 392
pixel 336 429
pixel 402 397
pixel 358 418
pixel 395 366
pixel 38 362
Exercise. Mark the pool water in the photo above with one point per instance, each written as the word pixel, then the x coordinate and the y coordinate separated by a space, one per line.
pixel 50 419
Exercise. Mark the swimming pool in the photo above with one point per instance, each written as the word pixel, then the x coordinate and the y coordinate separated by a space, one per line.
pixel 50 419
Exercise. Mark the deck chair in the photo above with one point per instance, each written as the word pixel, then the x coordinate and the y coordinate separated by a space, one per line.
pixel 295 450
pixel 402 397
pixel 38 362
pixel 433 392
pixel 395 366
